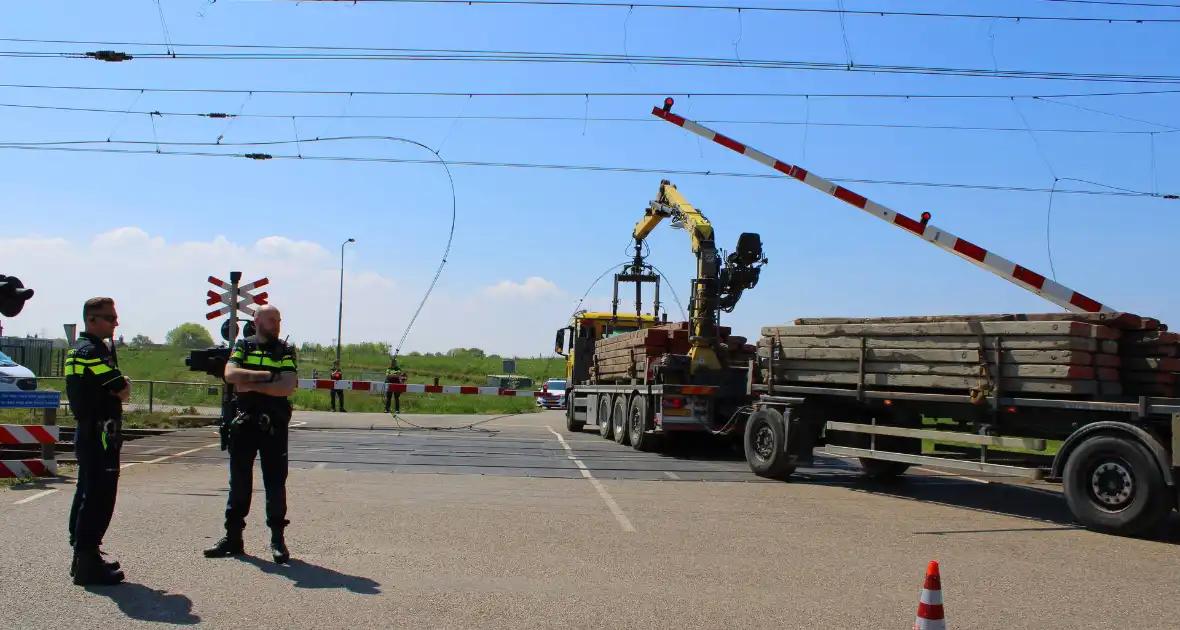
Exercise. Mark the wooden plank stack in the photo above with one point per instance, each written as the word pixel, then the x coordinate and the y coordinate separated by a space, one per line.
pixel 1053 354
pixel 626 356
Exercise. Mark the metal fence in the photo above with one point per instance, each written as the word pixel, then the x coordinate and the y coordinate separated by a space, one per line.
pixel 162 396
pixel 42 356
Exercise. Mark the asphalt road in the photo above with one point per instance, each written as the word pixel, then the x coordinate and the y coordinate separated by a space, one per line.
pixel 513 523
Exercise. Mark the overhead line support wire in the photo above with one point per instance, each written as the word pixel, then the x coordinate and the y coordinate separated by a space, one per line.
pixel 567 167
pixel 583 95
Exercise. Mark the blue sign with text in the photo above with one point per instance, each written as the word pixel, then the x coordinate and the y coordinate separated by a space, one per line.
pixel 30 400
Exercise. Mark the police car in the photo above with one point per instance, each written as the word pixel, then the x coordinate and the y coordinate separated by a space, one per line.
pixel 15 377
pixel 552 394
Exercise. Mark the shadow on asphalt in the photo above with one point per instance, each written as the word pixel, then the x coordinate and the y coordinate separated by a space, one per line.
pixel 148 604
pixel 998 498
pixel 306 575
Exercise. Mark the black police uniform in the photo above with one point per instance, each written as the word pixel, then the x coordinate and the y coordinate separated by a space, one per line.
pixel 259 427
pixel 92 384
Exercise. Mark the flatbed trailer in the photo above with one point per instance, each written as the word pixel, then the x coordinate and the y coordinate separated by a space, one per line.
pixel 1118 460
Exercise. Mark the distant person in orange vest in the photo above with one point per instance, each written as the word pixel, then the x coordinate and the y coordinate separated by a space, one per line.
pixel 337 393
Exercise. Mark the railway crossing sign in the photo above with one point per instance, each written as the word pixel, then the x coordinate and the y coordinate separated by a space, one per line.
pixel 235 297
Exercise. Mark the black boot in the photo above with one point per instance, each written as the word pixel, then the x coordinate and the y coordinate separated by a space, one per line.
pixel 230 545
pixel 278 547
pixel 110 565
pixel 88 568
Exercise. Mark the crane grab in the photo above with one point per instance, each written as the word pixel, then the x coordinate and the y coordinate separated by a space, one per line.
pixel 1021 276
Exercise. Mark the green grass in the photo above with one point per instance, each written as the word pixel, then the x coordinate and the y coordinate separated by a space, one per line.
pixel 131 420
pixel 359 362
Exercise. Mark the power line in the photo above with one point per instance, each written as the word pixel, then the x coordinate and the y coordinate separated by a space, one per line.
pixel 582 95
pixel 766 9
pixel 58 146
pixel 504 56
pixel 602 119
pixel 1115 3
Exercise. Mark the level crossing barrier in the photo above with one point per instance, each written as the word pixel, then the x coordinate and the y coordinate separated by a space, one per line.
pixel 18 434
pixel 408 388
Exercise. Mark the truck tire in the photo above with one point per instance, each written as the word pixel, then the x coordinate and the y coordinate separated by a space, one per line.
pixel 571 425
pixel 618 421
pixel 604 409
pixel 882 469
pixel 637 423
pixel 765 442
pixel 1113 485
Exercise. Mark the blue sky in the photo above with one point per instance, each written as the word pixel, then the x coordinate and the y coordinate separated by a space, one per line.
pixel 563 228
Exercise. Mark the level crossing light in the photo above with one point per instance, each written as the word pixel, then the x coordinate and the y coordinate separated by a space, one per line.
pixel 340 314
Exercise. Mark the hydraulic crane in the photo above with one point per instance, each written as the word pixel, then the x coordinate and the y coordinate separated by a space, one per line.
pixel 716 288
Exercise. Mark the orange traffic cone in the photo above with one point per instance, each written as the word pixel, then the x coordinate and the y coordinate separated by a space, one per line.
pixel 930 602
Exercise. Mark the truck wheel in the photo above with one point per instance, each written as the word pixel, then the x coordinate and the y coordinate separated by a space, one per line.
pixel 619 421
pixel 765 442
pixel 604 423
pixel 637 422
pixel 571 425
pixel 882 469
pixel 1113 485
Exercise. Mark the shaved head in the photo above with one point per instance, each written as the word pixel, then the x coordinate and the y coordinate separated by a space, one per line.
pixel 268 322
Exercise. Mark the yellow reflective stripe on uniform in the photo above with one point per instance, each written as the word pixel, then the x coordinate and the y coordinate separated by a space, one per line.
pixel 87 361
pixel 99 369
pixel 287 362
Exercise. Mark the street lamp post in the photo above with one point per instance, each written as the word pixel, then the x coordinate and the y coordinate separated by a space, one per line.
pixel 340 314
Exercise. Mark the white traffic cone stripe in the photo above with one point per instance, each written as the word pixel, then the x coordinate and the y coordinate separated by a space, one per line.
pixel 930 624
pixel 933 598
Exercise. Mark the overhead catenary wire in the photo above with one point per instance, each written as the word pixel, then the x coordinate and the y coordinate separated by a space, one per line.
pixel 543 57
pixel 1112 191
pixel 605 119
pixel 600 4
pixel 584 94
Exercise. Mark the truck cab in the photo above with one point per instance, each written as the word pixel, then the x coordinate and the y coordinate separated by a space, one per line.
pixel 584 330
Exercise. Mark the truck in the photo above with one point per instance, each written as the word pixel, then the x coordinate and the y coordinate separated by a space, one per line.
pixel 1116 454
pixel 693 392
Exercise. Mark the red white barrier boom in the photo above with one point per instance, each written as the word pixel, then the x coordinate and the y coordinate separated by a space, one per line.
pixel 401 388
pixel 1058 294
pixel 28 434
pixel 13 469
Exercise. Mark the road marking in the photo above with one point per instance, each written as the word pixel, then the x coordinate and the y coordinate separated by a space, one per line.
pixel 672 475
pixel 321 465
pixel 43 493
pixel 606 497
pixel 152 451
pixel 168 457
pixel 296 424
pixel 950 474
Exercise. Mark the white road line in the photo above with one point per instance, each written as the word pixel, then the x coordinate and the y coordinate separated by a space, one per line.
pixel 152 451
pixel 43 493
pixel 606 497
pixel 296 424
pixel 672 475
pixel 168 457
pixel 950 474
pixel 321 465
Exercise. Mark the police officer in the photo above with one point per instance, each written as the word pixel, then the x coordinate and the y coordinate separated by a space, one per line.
pixel 96 391
pixel 394 376
pixel 262 370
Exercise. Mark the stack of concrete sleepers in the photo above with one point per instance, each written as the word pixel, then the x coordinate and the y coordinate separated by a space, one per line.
pixel 1053 354
pixel 1150 363
pixel 626 356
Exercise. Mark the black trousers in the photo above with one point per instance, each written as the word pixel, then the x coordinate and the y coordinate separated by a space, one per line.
pixel 98 484
pixel 397 400
pixel 337 393
pixel 271 448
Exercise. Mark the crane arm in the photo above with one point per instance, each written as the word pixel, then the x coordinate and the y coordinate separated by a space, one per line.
pixel 1020 276
pixel 671 204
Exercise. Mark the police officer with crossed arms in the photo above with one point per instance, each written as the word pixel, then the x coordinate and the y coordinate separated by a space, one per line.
pixel 262 370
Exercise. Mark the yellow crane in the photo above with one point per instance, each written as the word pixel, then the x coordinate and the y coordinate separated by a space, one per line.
pixel 716 287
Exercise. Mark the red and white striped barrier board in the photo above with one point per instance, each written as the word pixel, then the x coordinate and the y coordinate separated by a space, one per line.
pixel 1020 276
pixel 23 434
pixel 15 468
pixel 400 388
